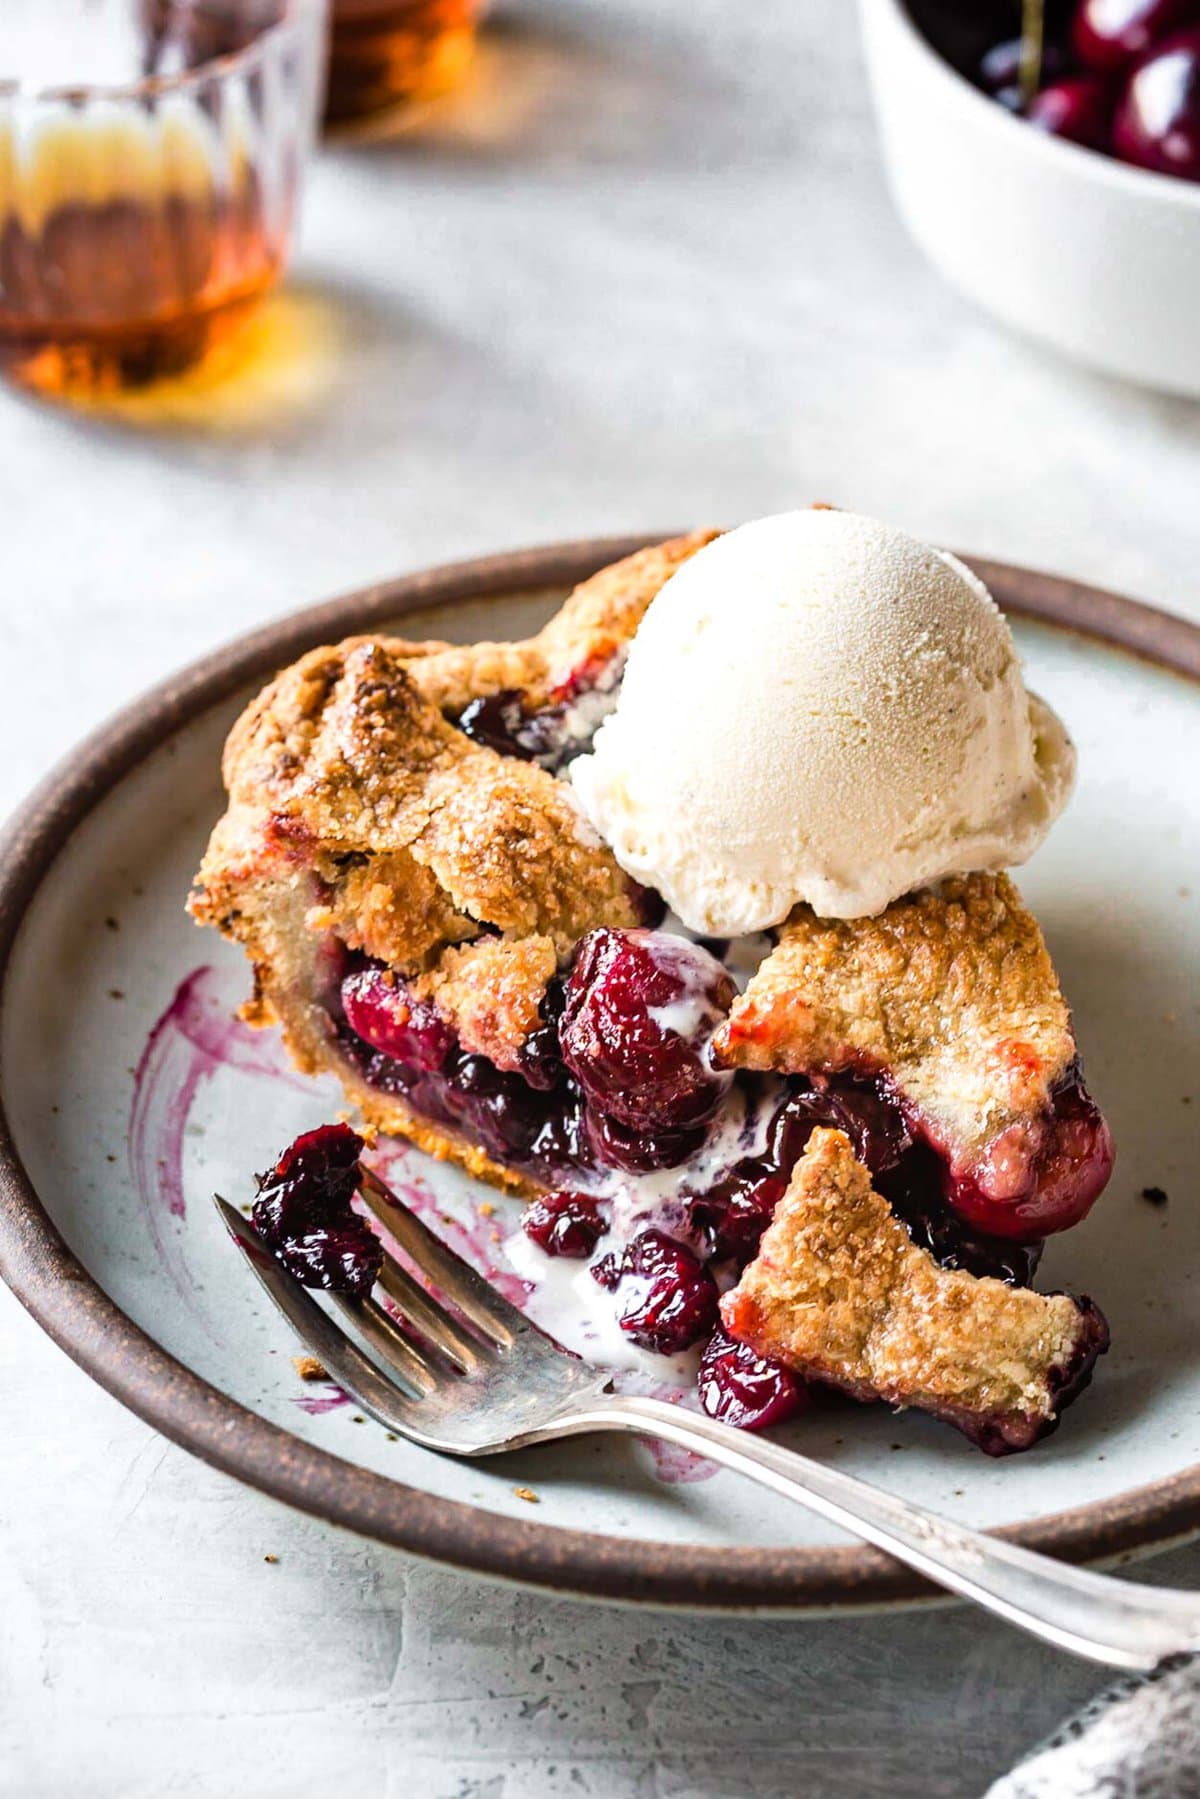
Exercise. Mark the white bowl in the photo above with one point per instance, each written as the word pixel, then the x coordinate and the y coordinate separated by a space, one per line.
pixel 1097 258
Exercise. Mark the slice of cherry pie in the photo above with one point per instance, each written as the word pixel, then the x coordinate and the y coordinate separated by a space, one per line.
pixel 430 917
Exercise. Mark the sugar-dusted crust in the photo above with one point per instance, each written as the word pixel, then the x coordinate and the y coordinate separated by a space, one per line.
pixel 950 992
pixel 595 623
pixel 842 1294
pixel 492 992
pixel 360 817
pixel 362 765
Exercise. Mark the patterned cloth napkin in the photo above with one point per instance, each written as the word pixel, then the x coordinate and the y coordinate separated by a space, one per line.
pixel 1138 1740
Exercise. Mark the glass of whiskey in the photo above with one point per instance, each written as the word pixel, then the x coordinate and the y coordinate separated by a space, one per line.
pixel 387 54
pixel 151 156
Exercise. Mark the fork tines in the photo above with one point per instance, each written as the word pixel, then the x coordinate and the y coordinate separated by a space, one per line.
pixel 451 1328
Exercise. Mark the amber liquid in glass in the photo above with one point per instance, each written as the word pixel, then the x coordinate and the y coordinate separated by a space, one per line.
pixel 133 238
pixel 142 290
pixel 385 53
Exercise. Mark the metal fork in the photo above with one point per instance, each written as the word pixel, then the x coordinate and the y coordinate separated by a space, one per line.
pixel 456 1368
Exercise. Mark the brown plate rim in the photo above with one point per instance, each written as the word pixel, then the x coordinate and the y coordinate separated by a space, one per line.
pixel 75 1311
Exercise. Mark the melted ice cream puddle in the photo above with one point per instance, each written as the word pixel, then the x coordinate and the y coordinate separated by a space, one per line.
pixel 565 1300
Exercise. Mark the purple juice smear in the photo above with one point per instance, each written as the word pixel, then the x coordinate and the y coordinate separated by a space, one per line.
pixel 192 1040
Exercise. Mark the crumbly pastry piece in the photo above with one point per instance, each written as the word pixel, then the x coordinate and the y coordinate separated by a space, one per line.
pixel 840 1293
pixel 361 819
pixel 491 992
pixel 950 992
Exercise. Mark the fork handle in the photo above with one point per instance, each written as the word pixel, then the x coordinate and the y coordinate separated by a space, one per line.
pixel 1123 1624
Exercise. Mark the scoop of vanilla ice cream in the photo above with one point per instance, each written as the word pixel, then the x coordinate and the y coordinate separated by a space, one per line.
pixel 819 707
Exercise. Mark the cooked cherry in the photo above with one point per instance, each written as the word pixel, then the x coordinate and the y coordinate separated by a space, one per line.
pixel 496 720
pixel 742 1388
pixel 732 1215
pixel 329 1153
pixel 564 1224
pixel 500 721
pixel 381 1008
pixel 915 1190
pixel 1079 109
pixel 640 1151
pixel 666 1300
pixel 541 1061
pixel 640 1009
pixel 303 1212
pixel 312 1182
pixel 1026 1194
pixel 562 1139
pixel 1157 123
pixel 500 1108
pixel 344 1259
pixel 872 1121
pixel 1109 35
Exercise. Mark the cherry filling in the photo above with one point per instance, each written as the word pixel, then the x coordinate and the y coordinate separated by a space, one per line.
pixel 384 1013
pixel 303 1212
pixel 618 1075
pixel 742 1388
pixel 639 1012
pixel 557 732
pixel 564 1224
pixel 1039 1179
pixel 666 1298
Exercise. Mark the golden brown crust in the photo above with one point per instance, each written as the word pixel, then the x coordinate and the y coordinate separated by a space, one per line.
pixel 418 834
pixel 359 816
pixel 595 622
pixel 951 991
pixel 841 1293
pixel 389 907
pixel 491 992
pixel 353 762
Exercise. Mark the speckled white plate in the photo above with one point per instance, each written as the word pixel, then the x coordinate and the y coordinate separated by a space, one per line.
pixel 129 1095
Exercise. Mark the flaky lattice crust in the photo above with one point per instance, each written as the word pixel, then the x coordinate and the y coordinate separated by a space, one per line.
pixel 950 992
pixel 841 1293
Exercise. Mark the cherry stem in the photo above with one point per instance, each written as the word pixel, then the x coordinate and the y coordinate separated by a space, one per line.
pixel 1033 38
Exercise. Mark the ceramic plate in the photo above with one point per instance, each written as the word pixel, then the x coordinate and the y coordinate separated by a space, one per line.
pixel 130 1095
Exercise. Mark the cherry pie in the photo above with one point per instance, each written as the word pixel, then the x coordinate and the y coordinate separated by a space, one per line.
pixel 826 1155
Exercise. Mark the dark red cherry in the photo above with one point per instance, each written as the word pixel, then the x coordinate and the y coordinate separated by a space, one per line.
pixel 321 1154
pixel 311 1184
pixel 381 1008
pixel 1108 36
pixel 1024 1197
pixel 344 1259
pixel 874 1124
pixel 564 1224
pixel 640 1151
pixel 640 1009
pixel 496 720
pixel 666 1300
pixel 499 1108
pixel 742 1388
pixel 1079 109
pixel 1157 123
pixel 732 1216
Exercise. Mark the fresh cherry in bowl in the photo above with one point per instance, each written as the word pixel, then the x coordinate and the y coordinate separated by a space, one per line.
pixel 1079 108
pixel 1108 36
pixel 1157 123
